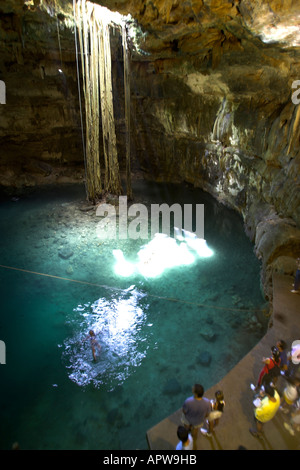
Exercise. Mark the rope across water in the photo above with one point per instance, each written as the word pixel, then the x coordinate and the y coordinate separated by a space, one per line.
pixel 169 299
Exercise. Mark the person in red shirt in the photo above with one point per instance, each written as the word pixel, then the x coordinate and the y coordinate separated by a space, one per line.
pixel 270 370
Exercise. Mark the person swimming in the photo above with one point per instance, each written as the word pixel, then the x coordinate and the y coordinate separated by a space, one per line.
pixel 94 344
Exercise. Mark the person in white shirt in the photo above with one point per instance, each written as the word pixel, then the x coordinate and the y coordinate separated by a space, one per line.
pixel 185 439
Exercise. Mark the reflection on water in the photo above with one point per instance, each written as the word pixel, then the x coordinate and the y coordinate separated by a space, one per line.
pixel 162 253
pixel 121 330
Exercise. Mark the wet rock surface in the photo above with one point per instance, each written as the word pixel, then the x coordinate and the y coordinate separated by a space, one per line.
pixel 204 358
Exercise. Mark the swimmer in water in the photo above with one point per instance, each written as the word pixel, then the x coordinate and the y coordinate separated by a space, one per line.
pixel 94 344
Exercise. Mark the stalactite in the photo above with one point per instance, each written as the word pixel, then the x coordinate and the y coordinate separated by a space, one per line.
pixel 91 93
pixel 103 104
pixel 94 40
pixel 112 178
pixel 95 123
pixel 127 109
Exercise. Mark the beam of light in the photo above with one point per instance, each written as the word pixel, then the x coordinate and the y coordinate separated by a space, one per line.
pixel 199 245
pixel 285 31
pixel 289 34
pixel 114 18
pixel 123 267
pixel 162 253
pixel 109 17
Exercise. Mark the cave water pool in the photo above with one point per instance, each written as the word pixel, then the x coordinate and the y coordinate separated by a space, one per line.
pixel 158 335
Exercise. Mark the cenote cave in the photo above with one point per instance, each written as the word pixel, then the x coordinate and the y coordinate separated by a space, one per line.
pixel 150 219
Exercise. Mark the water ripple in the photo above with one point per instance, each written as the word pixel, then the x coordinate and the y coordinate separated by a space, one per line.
pixel 120 325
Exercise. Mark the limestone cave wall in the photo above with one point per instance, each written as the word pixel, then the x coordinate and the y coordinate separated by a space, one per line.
pixel 39 124
pixel 234 132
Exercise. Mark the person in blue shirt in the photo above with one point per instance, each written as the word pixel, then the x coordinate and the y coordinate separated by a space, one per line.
pixel 195 410
pixel 282 346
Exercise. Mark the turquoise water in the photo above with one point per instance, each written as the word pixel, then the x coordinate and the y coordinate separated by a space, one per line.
pixel 158 335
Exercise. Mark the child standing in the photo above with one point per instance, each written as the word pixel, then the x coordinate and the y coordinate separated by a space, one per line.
pixel 185 439
pixel 214 416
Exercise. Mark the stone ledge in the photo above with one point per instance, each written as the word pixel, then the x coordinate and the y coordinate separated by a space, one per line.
pixel 233 429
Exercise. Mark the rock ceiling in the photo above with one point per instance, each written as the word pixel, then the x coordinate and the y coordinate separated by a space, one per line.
pixel 250 38
pixel 180 27
pixel 196 26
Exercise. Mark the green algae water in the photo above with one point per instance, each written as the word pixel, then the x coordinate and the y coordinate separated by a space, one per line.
pixel 158 335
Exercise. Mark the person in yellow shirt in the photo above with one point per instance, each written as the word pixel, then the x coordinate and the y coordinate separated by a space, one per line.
pixel 266 410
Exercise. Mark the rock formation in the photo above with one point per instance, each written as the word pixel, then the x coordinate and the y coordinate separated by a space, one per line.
pixel 213 96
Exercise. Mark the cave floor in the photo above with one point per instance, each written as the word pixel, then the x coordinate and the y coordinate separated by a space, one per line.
pixel 233 428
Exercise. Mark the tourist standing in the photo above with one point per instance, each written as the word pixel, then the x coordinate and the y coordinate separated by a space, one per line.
pixel 282 347
pixel 216 413
pixel 296 285
pixel 270 371
pixel 266 410
pixel 195 410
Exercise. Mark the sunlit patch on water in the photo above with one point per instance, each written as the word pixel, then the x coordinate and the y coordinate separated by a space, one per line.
pixel 163 253
pixel 120 325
